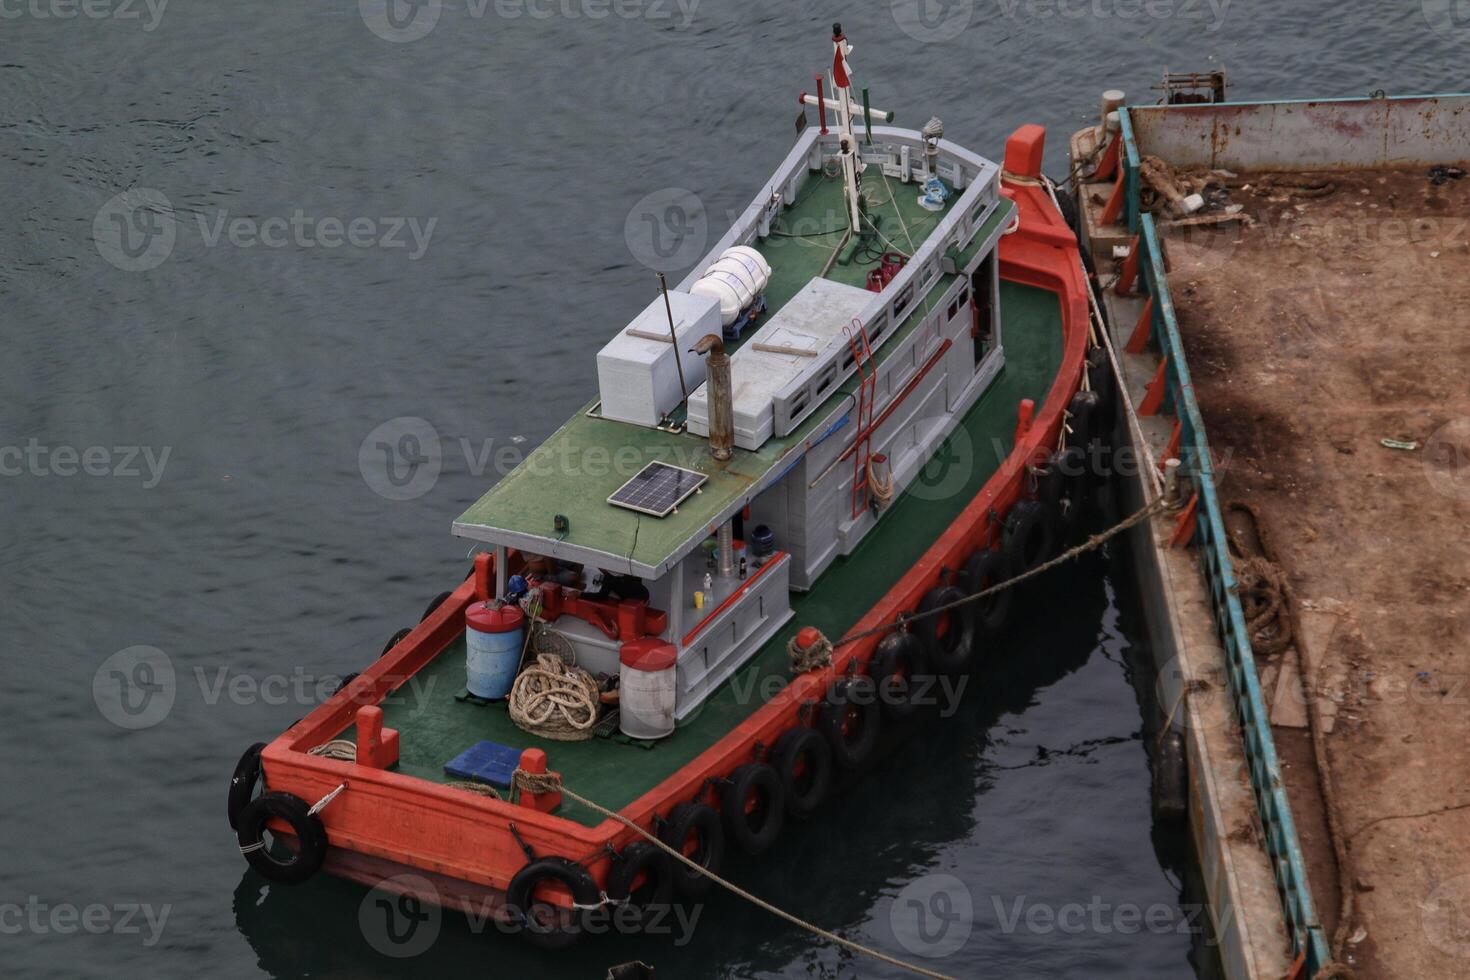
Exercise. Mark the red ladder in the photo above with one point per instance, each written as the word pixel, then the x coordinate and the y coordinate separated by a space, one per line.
pixel 862 356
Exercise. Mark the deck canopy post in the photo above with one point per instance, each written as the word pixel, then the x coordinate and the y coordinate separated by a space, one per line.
pixel 500 571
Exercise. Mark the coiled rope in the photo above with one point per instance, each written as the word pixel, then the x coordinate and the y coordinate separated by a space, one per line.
pixel 555 700
pixel 535 782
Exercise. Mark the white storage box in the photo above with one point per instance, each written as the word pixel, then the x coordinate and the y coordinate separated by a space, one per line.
pixel 637 376
pixel 810 321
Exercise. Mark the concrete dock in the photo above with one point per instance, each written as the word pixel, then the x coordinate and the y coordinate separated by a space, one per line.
pixel 1295 336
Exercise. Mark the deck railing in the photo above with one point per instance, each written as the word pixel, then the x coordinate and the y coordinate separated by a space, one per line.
pixel 1303 928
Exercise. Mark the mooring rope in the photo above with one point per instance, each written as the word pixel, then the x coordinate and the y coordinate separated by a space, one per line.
pixel 1091 544
pixel 536 782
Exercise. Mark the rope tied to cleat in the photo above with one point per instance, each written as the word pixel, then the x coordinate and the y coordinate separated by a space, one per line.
pixel 549 782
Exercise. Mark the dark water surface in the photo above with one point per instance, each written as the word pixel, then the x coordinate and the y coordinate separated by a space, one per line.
pixel 182 424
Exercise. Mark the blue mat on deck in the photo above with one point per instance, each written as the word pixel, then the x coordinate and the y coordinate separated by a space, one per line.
pixel 485 762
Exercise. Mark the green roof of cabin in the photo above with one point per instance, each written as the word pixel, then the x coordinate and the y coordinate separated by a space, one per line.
pixel 580 465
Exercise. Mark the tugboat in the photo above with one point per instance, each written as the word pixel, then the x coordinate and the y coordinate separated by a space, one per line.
pixel 706 635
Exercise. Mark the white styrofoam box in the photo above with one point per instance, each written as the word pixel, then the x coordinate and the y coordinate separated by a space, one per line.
pixel 810 320
pixel 637 376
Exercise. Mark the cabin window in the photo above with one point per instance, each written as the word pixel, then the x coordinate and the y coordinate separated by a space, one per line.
pixel 982 282
pixel 904 298
pixel 825 381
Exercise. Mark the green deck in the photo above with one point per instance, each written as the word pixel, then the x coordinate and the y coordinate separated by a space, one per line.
pixel 435 727
pixel 587 459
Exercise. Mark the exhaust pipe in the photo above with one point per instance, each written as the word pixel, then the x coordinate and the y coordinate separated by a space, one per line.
pixel 721 396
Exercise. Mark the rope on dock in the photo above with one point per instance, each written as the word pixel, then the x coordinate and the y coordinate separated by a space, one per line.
pixel 1091 544
pixel 536 782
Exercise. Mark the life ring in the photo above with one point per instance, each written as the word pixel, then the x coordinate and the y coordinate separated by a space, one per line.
pixel 803 761
pixel 394 640
pixel 438 601
pixel 280 863
pixel 851 720
pixel 1083 419
pixel 564 929
pixel 642 876
pixel 242 783
pixel 700 824
pixel 754 804
pixel 897 661
pixel 1031 535
pixel 948 638
pixel 988 616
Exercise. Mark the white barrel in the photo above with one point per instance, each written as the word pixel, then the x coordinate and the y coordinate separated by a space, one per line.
pixel 647 693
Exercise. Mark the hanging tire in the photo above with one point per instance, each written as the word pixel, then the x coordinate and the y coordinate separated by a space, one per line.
pixel 643 876
pixel 277 861
pixel 988 616
pixel 243 783
pixel 394 640
pixel 1031 535
pixel 562 928
pixel 699 823
pixel 439 600
pixel 754 804
pixel 1100 378
pixel 851 720
pixel 948 639
pixel 1083 419
pixel 1076 474
pixel 1051 483
pixel 897 661
pixel 803 761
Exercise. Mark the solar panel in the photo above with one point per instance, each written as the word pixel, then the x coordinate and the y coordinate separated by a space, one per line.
pixel 657 489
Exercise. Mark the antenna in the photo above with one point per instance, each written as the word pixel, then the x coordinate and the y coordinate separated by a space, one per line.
pixel 674 336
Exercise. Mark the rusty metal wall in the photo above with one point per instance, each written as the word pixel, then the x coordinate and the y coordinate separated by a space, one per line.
pixel 1332 134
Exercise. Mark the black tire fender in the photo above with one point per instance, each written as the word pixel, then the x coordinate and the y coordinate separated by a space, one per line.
pixel 242 783
pixel 686 820
pixel 438 601
pixel 850 719
pixel 803 761
pixel 520 899
pixel 1100 379
pixel 1031 535
pixel 311 838
pixel 754 804
pixel 988 616
pixel 393 641
pixel 653 865
pixel 1084 420
pixel 897 661
pixel 950 650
